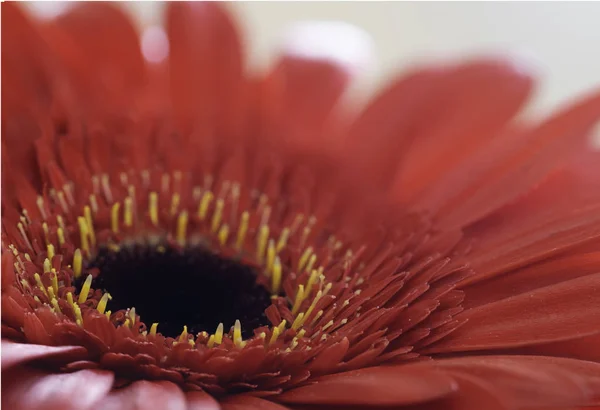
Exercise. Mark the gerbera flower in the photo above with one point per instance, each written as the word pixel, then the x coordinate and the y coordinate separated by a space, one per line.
pixel 191 236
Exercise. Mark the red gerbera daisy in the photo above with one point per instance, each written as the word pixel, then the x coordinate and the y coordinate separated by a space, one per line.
pixel 189 236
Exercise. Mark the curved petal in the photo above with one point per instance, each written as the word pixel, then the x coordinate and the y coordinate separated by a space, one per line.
pixel 504 171
pixel 14 354
pixel 249 403
pixel 26 389
pixel 535 276
pixel 374 386
pixel 303 89
pixel 583 348
pixel 564 311
pixel 433 118
pixel 146 395
pixel 205 66
pixel 528 381
pixel 199 400
pixel 100 45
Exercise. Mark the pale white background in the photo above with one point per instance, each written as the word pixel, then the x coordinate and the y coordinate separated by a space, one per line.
pixel 561 39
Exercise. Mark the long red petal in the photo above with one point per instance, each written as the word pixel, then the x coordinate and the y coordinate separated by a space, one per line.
pixel 206 66
pixel 564 311
pixel 14 354
pixel 375 386
pixel 146 395
pixel 25 389
pixel 250 403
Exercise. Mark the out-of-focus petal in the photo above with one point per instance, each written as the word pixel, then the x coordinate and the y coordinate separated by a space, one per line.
pixel 26 389
pixel 14 354
pixel 250 403
pixel 100 45
pixel 505 170
pixel 567 310
pixel 205 67
pixel 146 395
pixel 432 119
pixel 302 91
pixel 199 400
pixel 375 386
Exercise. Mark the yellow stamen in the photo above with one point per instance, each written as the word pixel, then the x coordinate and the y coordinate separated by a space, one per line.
pixel 153 329
pixel 237 334
pixel 62 201
pixel 70 300
pixel 283 238
pixel 299 299
pixel 175 199
pixel 40 204
pixel 327 325
pixel 55 281
pixel 93 203
pixel 274 335
pixel 46 232
pixel 317 316
pixel 219 334
pixel 85 289
pixel 106 188
pixel 61 222
pixel 51 294
pixel 107 314
pixel 298 321
pixel 77 263
pixel 23 234
pixel 301 333
pixel 314 276
pixel 153 207
pixel 47 265
pixel 184 335
pixel 207 197
pixel 261 243
pixel 127 323
pixel 128 214
pixel 311 262
pixel 304 258
pixel 27 257
pixel 38 282
pixel 313 304
pixel 103 301
pixel 281 326
pixel 211 341
pixel 223 234
pixel 217 215
pixel 327 288
pixel 87 212
pixel 61 236
pixel 182 222
pixel 83 233
pixel 242 229
pixel 78 317
pixel 114 217
pixel 54 303
pixel 270 256
pixel 132 316
pixel 276 276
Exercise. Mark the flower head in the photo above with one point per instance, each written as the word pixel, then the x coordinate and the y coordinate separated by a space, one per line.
pixel 183 234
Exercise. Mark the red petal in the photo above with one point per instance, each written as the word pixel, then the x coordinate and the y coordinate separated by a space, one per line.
pixel 17 353
pixel 564 311
pixel 101 45
pixel 528 381
pixel 374 386
pixel 199 400
pixel 500 179
pixel 146 395
pixel 584 348
pixel 301 100
pixel 205 65
pixel 538 275
pixel 25 389
pixel 249 403
pixel 477 100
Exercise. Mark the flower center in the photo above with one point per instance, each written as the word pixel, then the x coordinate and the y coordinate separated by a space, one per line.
pixel 177 287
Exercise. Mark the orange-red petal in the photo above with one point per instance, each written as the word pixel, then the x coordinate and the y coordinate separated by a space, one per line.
pixel 14 354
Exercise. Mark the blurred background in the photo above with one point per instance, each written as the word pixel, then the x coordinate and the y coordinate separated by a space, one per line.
pixel 560 39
